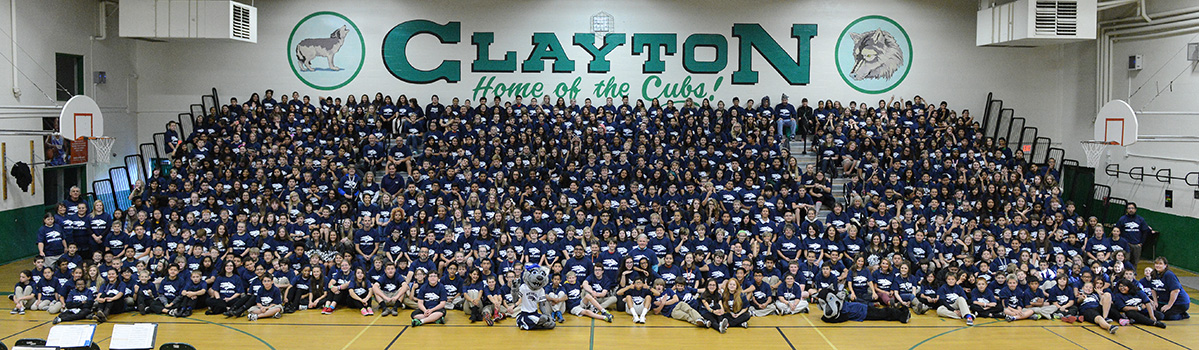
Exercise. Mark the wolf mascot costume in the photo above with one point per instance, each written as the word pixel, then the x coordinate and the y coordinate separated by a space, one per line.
pixel 837 309
pixel 534 310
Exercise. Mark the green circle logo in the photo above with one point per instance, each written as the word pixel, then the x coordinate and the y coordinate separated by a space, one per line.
pixel 873 54
pixel 326 50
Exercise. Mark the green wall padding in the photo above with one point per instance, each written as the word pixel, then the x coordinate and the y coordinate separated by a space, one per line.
pixel 18 232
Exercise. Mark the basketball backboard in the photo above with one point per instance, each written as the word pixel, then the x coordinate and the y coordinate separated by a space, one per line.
pixel 80 117
pixel 1117 123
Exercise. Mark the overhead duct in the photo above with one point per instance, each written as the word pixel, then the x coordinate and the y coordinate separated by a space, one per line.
pixel 188 19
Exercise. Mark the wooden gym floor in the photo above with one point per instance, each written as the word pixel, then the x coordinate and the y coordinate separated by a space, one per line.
pixel 346 329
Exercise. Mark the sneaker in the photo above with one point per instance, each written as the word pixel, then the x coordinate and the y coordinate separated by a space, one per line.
pixel 440 320
pixel 745 324
pixel 13 312
pixel 325 311
pixel 362 311
pixel 1160 324
pixel 278 315
pixel 1070 319
pixel 635 318
pixel 1057 316
pixel 1036 317
pixel 416 322
pixel 907 316
pixel 804 310
pixel 724 326
pixel 1113 329
pixel 1123 321
pixel 1009 318
pixel 57 320
pixel 253 317
pixel 370 311
pixel 303 307
pixel 969 320
pixel 490 321
pixel 608 317
pixel 21 312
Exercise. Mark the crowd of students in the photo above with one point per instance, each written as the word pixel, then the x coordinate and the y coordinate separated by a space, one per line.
pixel 694 211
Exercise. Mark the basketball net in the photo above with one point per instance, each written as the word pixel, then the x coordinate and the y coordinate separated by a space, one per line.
pixel 1094 150
pixel 100 149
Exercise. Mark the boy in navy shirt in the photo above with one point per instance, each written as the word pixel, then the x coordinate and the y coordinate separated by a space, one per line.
pixel 268 301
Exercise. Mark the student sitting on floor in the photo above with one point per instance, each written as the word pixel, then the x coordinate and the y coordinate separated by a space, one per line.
pixel 667 303
pixel 433 300
pixel 268 301
pixel 80 301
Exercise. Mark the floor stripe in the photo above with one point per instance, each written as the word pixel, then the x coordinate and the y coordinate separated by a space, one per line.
pixel 947 332
pixel 393 340
pixel 376 319
pixel 1159 336
pixel 1105 337
pixel 785 338
pixel 830 344
pixel 1063 337
pixel 591 342
pixel 272 347
pixel 26 330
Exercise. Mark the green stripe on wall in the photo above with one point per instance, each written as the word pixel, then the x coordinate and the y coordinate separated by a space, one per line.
pixel 19 232
pixel 1179 239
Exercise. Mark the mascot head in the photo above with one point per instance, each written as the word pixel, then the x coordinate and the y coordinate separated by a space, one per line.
pixel 830 302
pixel 536 276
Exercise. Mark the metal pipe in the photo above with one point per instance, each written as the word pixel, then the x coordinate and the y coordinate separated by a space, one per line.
pixel 31 107
pixel 1174 159
pixel 1160 20
pixel 16 89
pixel 1139 113
pixel 1107 5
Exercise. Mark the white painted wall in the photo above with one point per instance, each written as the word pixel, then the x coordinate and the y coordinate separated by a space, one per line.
pixel 1049 85
pixel 1167 82
pixel 46 27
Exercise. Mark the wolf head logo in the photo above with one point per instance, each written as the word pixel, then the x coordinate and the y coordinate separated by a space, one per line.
pixel 876 55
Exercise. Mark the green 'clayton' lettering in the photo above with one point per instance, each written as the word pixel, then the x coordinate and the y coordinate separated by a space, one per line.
pixel 599 57
pixel 707 40
pixel 483 62
pixel 654 63
pixel 547 46
pixel 797 72
pixel 395 51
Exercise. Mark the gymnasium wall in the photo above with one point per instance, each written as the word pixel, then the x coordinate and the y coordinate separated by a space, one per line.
pixel 1050 84
pixel 1167 82
pixel 46 27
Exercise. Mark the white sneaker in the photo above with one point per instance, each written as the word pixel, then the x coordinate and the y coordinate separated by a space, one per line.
pixel 253 317
pixel 303 307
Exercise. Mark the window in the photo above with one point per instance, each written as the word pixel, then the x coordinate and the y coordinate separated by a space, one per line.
pixel 68 75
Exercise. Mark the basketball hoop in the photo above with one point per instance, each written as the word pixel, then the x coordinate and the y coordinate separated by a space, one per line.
pixel 1094 150
pixel 99 149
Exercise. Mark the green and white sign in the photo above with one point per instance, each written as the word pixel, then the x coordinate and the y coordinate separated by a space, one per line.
pixel 873 54
pixel 326 50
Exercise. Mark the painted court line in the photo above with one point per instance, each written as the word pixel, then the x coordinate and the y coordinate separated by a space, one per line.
pixel 363 331
pixel 272 347
pixel 1105 337
pixel 1163 338
pixel 785 338
pixel 591 341
pixel 1067 339
pixel 26 330
pixel 393 340
pixel 830 344
pixel 947 332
